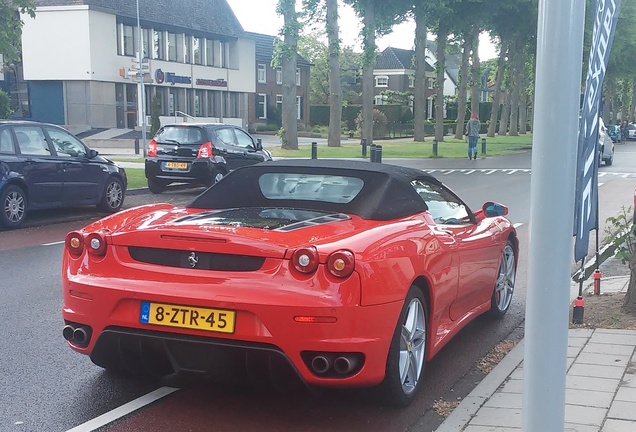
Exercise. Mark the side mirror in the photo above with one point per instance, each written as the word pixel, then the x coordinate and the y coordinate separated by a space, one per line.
pixel 259 144
pixel 492 209
pixel 92 153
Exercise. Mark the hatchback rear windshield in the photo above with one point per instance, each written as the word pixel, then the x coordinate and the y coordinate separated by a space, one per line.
pixel 180 135
pixel 310 187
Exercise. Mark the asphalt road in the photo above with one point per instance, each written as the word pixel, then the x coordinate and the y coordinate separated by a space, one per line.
pixel 47 387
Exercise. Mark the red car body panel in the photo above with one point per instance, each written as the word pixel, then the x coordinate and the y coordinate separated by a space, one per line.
pixel 455 266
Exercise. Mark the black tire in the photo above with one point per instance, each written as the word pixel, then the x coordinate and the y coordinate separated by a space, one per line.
pixel 156 186
pixel 113 197
pixel 217 176
pixel 409 339
pixel 505 284
pixel 610 161
pixel 13 207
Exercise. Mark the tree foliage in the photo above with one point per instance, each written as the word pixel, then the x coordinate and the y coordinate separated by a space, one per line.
pixel 11 26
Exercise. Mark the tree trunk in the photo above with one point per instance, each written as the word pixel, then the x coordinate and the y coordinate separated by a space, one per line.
pixel 505 110
pixel 518 57
pixel 523 111
pixel 624 101
pixel 632 116
pixel 501 66
pixel 476 73
pixel 440 68
pixel 419 99
pixel 463 87
pixel 335 86
pixel 288 68
pixel 630 295
pixel 368 63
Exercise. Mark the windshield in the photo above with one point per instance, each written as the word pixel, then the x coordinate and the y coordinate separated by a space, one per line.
pixel 180 135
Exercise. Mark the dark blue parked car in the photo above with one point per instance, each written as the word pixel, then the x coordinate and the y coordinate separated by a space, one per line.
pixel 44 166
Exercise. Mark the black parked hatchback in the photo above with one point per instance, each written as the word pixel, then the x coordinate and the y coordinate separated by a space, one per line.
pixel 199 154
pixel 44 166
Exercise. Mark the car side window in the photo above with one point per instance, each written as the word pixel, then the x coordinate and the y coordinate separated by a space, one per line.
pixel 31 141
pixel 6 142
pixel 243 139
pixel 443 206
pixel 66 145
pixel 226 135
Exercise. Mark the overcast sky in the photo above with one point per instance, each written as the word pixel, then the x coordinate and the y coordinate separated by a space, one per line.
pixel 260 16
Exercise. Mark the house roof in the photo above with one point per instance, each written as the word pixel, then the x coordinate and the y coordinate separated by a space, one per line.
pixel 397 58
pixel 203 16
pixel 265 48
pixel 453 61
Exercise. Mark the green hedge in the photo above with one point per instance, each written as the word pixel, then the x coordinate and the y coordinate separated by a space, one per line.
pixel 319 114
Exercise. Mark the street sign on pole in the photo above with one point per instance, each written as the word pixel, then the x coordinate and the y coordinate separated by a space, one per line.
pixel 140 77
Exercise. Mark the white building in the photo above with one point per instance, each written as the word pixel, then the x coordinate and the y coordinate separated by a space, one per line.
pixel 78 57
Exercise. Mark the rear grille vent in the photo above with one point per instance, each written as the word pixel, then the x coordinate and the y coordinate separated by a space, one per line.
pixel 196 260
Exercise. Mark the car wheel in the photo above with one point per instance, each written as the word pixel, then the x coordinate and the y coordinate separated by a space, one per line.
pixel 113 197
pixel 407 353
pixel 156 186
pixel 14 207
pixel 610 161
pixel 505 283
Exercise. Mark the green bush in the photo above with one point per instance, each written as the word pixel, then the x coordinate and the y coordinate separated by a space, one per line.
pixel 267 127
pixel 5 105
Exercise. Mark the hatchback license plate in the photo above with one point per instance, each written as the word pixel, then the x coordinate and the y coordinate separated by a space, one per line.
pixel 216 320
pixel 177 165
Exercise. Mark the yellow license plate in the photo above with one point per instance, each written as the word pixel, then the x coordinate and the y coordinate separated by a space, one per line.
pixel 177 165
pixel 215 320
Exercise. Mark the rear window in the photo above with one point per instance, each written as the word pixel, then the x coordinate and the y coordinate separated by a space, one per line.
pixel 180 135
pixel 310 187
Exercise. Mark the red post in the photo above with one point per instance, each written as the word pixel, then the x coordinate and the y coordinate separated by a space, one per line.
pixel 597 282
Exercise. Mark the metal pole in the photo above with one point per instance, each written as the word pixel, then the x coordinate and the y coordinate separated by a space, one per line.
pixel 372 151
pixel 314 150
pixel 434 148
pixel 364 147
pixel 378 153
pixel 142 99
pixel 483 146
pixel 557 90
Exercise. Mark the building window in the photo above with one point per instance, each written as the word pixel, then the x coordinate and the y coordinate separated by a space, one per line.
pixel 145 42
pixel 209 52
pixel 197 50
pixel 431 83
pixel 279 76
pixel 218 52
pixel 299 107
pixel 187 49
pixel 382 81
pixel 129 41
pixel 378 100
pixel 160 45
pixel 261 106
pixel 172 47
pixel 262 73
pixel 279 102
pixel 297 76
pixel 411 81
pixel 232 105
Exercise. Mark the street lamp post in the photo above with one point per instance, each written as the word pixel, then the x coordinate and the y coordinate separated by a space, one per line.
pixel 142 91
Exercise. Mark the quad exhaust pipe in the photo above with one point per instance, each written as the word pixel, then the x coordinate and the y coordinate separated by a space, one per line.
pixel 320 364
pixel 345 364
pixel 332 363
pixel 77 334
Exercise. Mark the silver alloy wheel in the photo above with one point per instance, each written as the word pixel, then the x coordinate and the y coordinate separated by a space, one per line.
pixel 505 284
pixel 14 206
pixel 218 177
pixel 114 195
pixel 412 346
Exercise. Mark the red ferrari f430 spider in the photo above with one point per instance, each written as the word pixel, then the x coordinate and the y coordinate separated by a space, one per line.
pixel 345 274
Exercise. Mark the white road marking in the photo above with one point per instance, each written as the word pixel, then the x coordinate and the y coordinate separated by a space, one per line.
pixel 470 172
pixel 53 244
pixel 602 174
pixel 123 410
pixel 517 225
pixel 449 172
pixel 490 172
pixel 625 175
pixel 512 171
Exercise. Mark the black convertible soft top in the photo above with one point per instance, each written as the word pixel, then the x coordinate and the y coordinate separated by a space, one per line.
pixel 387 193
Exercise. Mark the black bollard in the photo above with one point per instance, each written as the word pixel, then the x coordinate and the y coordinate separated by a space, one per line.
pixel 483 146
pixel 434 148
pixel 363 143
pixel 136 145
pixel 314 150
pixel 372 151
pixel 378 154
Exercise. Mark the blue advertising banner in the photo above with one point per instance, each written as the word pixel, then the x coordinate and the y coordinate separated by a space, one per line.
pixel 586 199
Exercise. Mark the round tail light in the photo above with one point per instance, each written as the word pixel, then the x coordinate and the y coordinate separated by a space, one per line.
pixel 341 263
pixel 305 260
pixel 96 244
pixel 74 243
